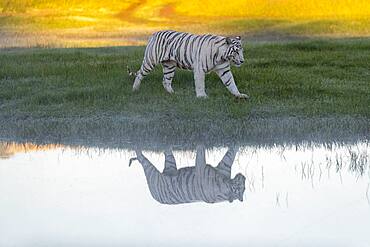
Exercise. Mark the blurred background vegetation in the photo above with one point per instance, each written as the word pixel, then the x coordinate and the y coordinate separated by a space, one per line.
pixel 72 23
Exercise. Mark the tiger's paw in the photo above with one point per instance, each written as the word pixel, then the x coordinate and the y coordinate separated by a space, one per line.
pixel 136 86
pixel 202 96
pixel 242 96
pixel 170 90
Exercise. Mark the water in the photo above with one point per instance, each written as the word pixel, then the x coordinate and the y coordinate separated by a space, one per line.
pixel 306 195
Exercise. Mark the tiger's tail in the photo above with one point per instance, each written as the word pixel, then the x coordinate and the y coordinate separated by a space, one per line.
pixel 131 160
pixel 130 73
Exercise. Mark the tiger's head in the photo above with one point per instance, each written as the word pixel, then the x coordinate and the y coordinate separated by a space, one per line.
pixel 237 188
pixel 234 51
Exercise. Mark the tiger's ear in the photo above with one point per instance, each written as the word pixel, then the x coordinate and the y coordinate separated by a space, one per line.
pixel 238 37
pixel 228 40
pixel 240 196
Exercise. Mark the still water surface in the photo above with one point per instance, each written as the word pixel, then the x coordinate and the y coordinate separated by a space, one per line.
pixel 306 195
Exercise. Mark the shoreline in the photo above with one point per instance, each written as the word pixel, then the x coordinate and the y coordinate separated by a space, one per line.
pixel 115 132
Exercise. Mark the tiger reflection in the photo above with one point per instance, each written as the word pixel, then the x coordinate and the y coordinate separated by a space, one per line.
pixel 201 182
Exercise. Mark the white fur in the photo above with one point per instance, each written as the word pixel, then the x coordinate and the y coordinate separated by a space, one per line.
pixel 200 53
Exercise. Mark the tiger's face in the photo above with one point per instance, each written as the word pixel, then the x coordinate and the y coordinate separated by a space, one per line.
pixel 237 188
pixel 234 52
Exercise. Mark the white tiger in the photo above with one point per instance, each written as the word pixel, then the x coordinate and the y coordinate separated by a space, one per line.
pixel 200 53
pixel 201 182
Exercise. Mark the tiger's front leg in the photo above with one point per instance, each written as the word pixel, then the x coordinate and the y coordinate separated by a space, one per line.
pixel 200 90
pixel 228 80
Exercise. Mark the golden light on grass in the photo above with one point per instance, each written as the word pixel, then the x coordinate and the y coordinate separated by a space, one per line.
pixel 118 22
pixel 312 9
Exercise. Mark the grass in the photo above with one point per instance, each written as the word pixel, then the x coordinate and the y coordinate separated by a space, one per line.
pixel 301 90
pixel 296 28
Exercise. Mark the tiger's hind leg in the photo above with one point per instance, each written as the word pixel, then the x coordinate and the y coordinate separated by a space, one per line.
pixel 144 70
pixel 149 168
pixel 224 167
pixel 168 74
pixel 170 167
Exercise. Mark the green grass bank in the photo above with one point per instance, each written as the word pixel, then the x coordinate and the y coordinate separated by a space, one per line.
pixel 316 90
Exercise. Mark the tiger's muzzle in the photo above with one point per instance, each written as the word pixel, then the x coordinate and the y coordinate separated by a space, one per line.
pixel 238 63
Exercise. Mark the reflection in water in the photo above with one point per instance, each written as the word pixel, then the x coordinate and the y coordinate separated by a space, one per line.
pixel 8 149
pixel 201 182
pixel 298 195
